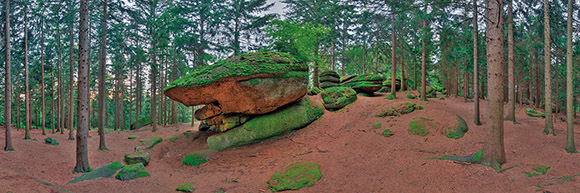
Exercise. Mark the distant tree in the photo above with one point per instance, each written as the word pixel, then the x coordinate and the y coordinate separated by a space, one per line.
pixel 102 79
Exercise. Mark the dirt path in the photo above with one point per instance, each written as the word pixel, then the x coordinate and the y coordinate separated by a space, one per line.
pixel 353 155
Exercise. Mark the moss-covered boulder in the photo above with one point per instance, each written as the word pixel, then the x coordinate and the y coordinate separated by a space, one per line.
pixel 130 172
pixel 325 85
pixel 141 122
pixel 366 83
pixel 397 109
pixel 51 141
pixel 387 84
pixel 197 158
pixel 296 176
pixel 263 127
pixel 329 79
pixel 313 91
pixel 418 127
pixel 223 123
pixel 253 83
pixel 338 97
pixel 410 96
pixel 457 131
pixel 187 187
pixel 431 93
pixel 148 143
pixel 534 113
pixel 106 171
pixel 387 133
pixel 138 157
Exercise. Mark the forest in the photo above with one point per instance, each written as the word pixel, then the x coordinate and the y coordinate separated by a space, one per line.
pixel 276 95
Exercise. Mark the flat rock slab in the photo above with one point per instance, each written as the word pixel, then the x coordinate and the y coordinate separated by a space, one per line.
pixel 254 83
pixel 106 171
pixel 130 172
pixel 138 157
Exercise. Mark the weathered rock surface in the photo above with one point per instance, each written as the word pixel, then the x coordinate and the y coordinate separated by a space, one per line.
pixel 366 83
pixel 208 111
pixel 337 98
pixel 262 127
pixel 138 157
pixel 254 83
pixel 329 79
pixel 223 123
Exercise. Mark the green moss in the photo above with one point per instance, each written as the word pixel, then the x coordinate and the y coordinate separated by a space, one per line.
pixel 542 169
pixel 51 141
pixel 149 143
pixel 477 156
pixel 133 137
pixel 336 98
pixel 133 171
pixel 458 131
pixel 106 171
pixel 275 63
pixel 138 157
pixel 441 98
pixel 263 127
pixel 377 125
pixel 313 91
pixel 187 187
pixel 391 96
pixel 387 133
pixel 410 96
pixel 397 109
pixel 296 176
pixel 534 113
pixel 417 127
pixel 141 122
pixel 254 81
pixel 194 159
pixel 368 77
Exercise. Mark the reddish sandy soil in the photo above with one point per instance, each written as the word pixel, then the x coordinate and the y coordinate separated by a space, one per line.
pixel 353 155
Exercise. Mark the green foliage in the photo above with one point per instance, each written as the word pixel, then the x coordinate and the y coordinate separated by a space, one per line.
pixel 377 125
pixel 299 39
pixel 133 171
pixel 187 187
pixel 387 133
pixel 534 113
pixel 141 122
pixel 410 96
pixel 417 127
pixel 133 137
pixel 194 159
pixel 296 176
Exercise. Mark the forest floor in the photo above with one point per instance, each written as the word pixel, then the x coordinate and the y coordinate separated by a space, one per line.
pixel 354 156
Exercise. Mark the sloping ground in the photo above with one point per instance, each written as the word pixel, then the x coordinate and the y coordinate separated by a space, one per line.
pixel 353 155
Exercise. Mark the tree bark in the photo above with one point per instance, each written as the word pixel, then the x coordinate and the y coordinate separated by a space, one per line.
pixel 570 146
pixel 493 152
pixel 511 59
pixel 465 81
pixel 26 72
pixel 476 120
pixel 402 74
pixel 393 94
pixel 83 91
pixel 8 81
pixel 549 124
pixel 42 77
pixel 102 72
pixel 71 81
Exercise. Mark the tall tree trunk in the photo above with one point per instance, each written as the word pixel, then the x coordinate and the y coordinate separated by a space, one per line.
pixel 117 95
pixel 8 81
pixel 102 72
pixel 537 80
pixel 71 81
pixel 17 109
pixel 174 74
pixel 153 88
pixel 315 71
pixel 549 124
pixel 42 91
pixel 332 58
pixel 60 85
pixel 424 63
pixel 476 94
pixel 402 74
pixel 393 93
pixel 570 146
pixel 511 59
pixel 465 81
pixel 26 72
pixel 493 152
pixel 83 91
pixel 52 104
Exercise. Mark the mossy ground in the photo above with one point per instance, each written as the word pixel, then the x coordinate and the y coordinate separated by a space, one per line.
pixel 458 131
pixel 133 171
pixel 150 143
pixel 410 96
pixel 187 187
pixel 377 125
pixel 397 109
pixel 194 159
pixel 534 113
pixel 133 137
pixel 296 176
pixel 275 63
pixel 387 133
pixel 418 127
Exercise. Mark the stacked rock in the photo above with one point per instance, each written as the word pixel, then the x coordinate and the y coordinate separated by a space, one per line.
pixel 387 84
pixel 329 79
pixel 241 91
pixel 366 83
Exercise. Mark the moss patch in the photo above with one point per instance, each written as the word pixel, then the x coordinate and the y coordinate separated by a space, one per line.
pixel 263 127
pixel 410 96
pixel 397 109
pixel 313 91
pixel 387 133
pixel 534 113
pixel 296 176
pixel 51 141
pixel 194 159
pixel 133 137
pixel 542 170
pixel 391 96
pixel 377 125
pixel 458 131
pixel 133 171
pixel 336 98
pixel 138 157
pixel 275 63
pixel 187 187
pixel 148 143
pixel 417 127
pixel 106 171
pixel 141 122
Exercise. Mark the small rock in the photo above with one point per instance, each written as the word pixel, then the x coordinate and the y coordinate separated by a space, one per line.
pixel 138 157
pixel 133 171
pixel 296 176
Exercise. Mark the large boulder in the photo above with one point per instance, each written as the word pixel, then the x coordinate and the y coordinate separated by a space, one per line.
pixel 106 171
pixel 387 84
pixel 133 171
pixel 458 130
pixel 254 83
pixel 366 83
pixel 138 157
pixel 292 117
pixel 431 93
pixel 397 109
pixel 208 111
pixel 337 98
pixel 329 79
pixel 141 122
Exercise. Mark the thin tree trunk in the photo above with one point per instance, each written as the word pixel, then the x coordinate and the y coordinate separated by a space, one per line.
pixel 61 111
pixel 173 104
pixel 393 93
pixel 153 89
pixel 102 72
pixel 71 81
pixel 8 81
pixel 537 81
pixel 52 104
pixel 332 58
pixel 476 120
pixel 83 91
pixel 465 81
pixel 549 124
pixel 17 108
pixel 493 152
pixel 42 77
pixel 26 72
pixel 424 63
pixel 402 75
pixel 511 59
pixel 570 112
